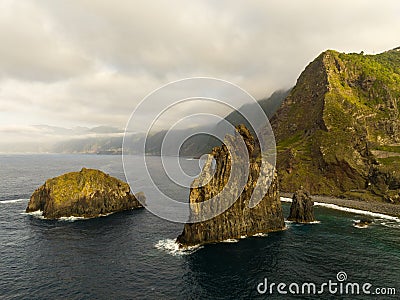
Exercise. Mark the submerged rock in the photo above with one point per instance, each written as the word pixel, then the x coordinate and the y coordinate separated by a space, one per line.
pixel 363 223
pixel 302 208
pixel 239 219
pixel 88 193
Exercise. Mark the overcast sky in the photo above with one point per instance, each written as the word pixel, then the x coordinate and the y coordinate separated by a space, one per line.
pixel 87 63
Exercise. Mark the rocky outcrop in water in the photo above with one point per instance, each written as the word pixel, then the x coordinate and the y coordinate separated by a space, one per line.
pixel 239 219
pixel 363 223
pixel 88 193
pixel 302 208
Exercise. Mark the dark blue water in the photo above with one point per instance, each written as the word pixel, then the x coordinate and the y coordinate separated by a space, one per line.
pixel 126 256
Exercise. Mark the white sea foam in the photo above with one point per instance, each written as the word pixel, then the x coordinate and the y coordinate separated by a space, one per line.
pixel 77 218
pixel 260 234
pixel 286 199
pixel 390 224
pixel 294 223
pixel 37 214
pixel 13 201
pixel 358 211
pixel 72 219
pixel 360 226
pixel 351 210
pixel 314 222
pixel 230 241
pixel 172 247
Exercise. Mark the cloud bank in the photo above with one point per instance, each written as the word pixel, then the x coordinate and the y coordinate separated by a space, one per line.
pixel 89 63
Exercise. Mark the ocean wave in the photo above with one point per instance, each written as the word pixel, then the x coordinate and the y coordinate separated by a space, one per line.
pixel 231 240
pixel 314 222
pixel 37 214
pixel 71 219
pixel 260 234
pixel 390 224
pixel 295 223
pixel 172 247
pixel 360 226
pixel 76 218
pixel 13 201
pixel 357 211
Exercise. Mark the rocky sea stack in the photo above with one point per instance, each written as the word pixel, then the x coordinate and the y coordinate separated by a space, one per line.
pixel 88 193
pixel 239 219
pixel 302 208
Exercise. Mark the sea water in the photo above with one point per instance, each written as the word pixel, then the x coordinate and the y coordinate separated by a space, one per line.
pixel 133 254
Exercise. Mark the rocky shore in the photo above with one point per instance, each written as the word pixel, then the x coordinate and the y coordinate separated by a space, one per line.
pixel 372 206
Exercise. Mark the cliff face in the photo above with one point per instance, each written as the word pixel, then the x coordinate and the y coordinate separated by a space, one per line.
pixel 338 130
pixel 239 219
pixel 88 193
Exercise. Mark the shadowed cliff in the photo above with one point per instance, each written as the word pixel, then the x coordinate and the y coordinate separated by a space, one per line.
pixel 239 219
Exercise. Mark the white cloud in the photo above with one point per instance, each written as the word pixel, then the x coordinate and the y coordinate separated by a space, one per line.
pixel 31 49
pixel 71 63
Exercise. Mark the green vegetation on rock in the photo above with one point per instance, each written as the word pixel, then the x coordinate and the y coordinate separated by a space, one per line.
pixel 338 131
pixel 88 193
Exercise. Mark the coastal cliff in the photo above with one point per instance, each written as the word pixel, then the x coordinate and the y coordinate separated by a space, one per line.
pixel 338 131
pixel 88 193
pixel 239 219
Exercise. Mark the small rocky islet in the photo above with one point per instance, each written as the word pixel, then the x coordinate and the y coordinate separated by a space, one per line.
pixel 302 208
pixel 363 223
pixel 89 193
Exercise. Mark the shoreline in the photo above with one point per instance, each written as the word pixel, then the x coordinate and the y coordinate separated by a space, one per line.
pixel 375 207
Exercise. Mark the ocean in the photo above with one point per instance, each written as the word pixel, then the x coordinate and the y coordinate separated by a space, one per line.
pixel 132 255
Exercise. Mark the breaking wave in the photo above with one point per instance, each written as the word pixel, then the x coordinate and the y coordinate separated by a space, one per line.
pixel 172 247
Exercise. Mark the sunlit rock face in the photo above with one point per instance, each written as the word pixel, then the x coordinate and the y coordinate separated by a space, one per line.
pixel 88 193
pixel 239 219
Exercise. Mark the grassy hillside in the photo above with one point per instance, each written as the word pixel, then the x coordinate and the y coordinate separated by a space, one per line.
pixel 338 130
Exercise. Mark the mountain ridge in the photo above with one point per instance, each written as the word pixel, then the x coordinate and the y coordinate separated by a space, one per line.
pixel 342 110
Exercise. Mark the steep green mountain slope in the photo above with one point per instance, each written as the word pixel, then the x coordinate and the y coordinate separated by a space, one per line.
pixel 338 131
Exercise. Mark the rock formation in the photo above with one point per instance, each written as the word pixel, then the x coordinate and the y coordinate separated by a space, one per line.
pixel 88 193
pixel 363 223
pixel 239 219
pixel 302 208
pixel 338 131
